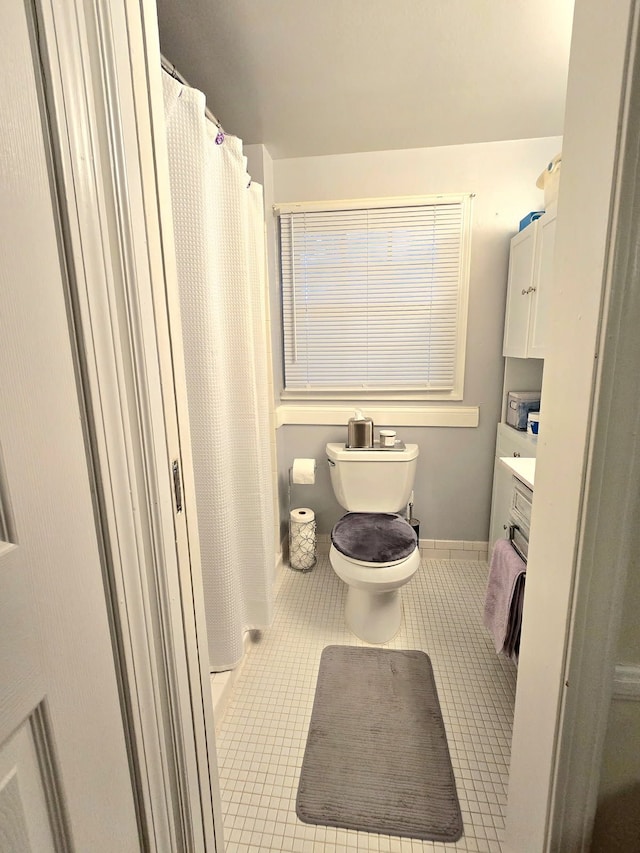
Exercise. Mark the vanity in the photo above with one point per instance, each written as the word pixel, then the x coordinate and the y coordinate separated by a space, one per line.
pixel 519 516
pixel 514 464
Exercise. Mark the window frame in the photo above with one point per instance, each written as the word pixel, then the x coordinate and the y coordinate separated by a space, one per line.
pixel 390 395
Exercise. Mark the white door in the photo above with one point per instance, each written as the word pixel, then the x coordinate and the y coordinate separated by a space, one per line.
pixel 64 774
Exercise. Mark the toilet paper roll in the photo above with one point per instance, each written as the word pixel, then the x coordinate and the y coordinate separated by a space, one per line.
pixel 302 514
pixel 302 539
pixel 304 471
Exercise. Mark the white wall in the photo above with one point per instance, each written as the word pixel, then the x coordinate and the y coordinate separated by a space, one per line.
pixel 453 483
pixel 260 167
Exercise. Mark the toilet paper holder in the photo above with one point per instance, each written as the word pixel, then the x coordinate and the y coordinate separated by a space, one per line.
pixel 309 478
pixel 303 472
pixel 302 539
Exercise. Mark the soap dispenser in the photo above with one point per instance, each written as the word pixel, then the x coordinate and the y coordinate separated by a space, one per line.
pixel 360 431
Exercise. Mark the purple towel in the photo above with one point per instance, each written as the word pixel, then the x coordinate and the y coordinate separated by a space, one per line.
pixel 503 601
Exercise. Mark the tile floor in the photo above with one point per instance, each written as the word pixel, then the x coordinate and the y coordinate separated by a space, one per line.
pixel 262 735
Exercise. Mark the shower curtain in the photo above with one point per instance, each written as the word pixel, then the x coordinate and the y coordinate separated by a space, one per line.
pixel 220 253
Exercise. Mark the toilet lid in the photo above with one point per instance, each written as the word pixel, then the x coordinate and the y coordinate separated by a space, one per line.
pixel 374 537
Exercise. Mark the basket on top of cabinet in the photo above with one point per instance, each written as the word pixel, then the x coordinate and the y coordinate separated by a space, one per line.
pixel 529 289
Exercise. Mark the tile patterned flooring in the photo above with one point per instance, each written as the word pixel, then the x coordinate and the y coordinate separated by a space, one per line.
pixel 262 735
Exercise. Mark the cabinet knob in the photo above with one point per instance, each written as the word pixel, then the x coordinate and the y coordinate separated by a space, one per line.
pixel 524 292
pixel 531 290
pixel 516 453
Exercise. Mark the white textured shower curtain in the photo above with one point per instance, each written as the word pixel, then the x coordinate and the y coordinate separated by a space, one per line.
pixel 220 253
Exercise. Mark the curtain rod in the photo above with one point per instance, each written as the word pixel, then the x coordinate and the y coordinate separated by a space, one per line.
pixel 173 71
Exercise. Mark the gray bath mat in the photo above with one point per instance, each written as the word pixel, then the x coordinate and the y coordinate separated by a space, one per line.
pixel 377 757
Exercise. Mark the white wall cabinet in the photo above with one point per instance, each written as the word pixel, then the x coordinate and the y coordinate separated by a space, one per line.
pixel 528 289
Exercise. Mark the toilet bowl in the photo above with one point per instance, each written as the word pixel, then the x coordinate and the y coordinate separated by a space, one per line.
pixel 374 550
pixel 373 610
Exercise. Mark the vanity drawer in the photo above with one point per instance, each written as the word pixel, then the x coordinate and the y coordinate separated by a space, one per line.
pixel 522 498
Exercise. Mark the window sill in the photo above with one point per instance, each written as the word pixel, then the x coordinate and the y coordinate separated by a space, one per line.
pixel 323 414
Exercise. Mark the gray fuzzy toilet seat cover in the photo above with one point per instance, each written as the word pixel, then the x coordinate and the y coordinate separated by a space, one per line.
pixel 374 537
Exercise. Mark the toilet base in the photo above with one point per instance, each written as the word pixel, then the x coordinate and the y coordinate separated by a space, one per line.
pixel 373 616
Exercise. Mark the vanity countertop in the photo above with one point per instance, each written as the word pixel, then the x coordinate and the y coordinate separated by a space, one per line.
pixel 523 468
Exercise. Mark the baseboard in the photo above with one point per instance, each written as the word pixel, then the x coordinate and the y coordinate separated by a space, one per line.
pixel 454 549
pixel 626 682
pixel 431 549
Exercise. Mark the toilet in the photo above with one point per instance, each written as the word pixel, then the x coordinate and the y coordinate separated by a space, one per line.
pixel 373 549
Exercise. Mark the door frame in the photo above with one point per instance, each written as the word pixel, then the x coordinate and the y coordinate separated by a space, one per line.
pixel 102 68
pixel 94 62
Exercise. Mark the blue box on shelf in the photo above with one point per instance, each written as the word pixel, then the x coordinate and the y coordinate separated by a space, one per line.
pixel 529 218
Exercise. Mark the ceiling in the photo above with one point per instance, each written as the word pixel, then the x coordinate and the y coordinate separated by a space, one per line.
pixel 312 77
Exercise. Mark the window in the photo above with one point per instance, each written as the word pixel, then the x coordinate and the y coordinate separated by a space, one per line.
pixel 374 297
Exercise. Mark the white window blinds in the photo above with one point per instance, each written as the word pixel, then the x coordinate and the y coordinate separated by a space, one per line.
pixel 374 298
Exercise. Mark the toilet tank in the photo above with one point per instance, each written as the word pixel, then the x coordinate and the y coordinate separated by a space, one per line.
pixel 372 480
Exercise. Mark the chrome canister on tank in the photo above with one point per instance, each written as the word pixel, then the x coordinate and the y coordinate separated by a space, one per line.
pixel 360 431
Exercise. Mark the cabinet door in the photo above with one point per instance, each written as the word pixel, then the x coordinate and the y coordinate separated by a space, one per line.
pixel 500 503
pixel 543 282
pixel 519 291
